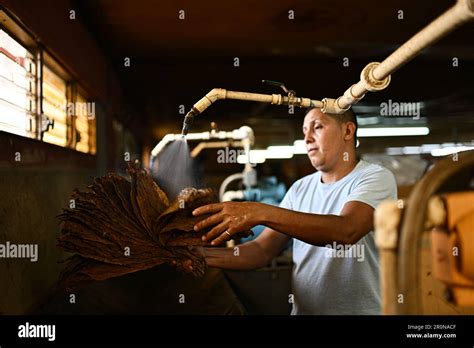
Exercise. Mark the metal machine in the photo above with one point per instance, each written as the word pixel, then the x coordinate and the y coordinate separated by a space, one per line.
pixel 242 137
pixel 267 190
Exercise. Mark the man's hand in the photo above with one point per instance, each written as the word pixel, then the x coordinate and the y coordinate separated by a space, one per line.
pixel 228 219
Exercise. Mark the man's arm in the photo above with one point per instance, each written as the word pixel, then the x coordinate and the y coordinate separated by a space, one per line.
pixel 254 254
pixel 355 220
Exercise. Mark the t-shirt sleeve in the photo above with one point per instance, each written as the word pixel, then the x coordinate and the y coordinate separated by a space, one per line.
pixel 287 200
pixel 374 188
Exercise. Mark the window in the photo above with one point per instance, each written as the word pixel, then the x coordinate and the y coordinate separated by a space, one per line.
pixel 59 112
pixel 85 125
pixel 17 88
pixel 54 107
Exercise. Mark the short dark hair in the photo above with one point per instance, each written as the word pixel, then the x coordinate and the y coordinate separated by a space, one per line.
pixel 346 116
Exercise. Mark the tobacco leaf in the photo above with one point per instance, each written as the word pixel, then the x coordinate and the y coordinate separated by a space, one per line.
pixel 178 217
pixel 151 199
pixel 116 189
pixel 119 226
pixel 132 171
pixel 176 224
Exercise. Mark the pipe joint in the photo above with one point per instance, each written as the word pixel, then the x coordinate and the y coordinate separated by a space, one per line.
pixel 277 99
pixel 331 106
pixel 466 8
pixel 370 82
pixel 350 95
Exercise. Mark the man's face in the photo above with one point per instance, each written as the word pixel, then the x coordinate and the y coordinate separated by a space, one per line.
pixel 324 139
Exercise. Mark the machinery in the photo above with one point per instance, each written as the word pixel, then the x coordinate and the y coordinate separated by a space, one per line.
pixel 242 137
pixel 267 191
pixel 425 244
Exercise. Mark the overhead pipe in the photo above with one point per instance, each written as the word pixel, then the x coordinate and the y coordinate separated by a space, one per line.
pixel 220 93
pixel 374 77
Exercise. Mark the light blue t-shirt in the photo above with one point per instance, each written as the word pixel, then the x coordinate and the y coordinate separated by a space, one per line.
pixel 338 279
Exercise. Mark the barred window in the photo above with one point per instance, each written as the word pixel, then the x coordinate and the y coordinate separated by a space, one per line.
pixel 55 107
pixel 17 87
pixel 38 97
pixel 85 125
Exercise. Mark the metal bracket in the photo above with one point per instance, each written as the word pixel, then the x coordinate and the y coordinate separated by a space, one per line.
pixel 45 124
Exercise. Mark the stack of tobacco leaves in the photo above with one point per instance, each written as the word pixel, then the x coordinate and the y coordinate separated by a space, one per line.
pixel 119 226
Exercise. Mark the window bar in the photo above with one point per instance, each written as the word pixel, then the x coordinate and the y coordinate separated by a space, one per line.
pixel 39 94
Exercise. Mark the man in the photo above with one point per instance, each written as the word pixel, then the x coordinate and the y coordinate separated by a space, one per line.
pixel 329 215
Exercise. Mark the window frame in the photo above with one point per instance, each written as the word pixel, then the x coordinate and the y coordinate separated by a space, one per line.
pixel 11 25
pixel 31 50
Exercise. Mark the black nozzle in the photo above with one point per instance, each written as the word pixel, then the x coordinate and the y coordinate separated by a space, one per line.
pixel 188 121
pixel 276 84
pixel 185 129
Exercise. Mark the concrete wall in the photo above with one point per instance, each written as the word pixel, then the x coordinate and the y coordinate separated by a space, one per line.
pixel 34 189
pixel 30 201
pixel 36 180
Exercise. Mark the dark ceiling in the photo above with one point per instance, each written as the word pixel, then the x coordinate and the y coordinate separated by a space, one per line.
pixel 176 61
pixel 149 30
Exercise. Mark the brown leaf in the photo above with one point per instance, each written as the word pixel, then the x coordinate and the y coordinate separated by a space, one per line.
pixel 113 214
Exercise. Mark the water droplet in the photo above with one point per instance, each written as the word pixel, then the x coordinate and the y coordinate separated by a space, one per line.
pixel 174 168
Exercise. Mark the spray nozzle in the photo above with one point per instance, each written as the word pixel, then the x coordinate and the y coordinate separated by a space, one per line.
pixel 188 121
pixel 289 92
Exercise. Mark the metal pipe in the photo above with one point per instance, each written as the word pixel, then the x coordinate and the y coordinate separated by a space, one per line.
pixel 376 76
pixel 220 93
pixel 214 145
pixel 232 195
pixel 461 12
pixel 276 99
pixel 227 181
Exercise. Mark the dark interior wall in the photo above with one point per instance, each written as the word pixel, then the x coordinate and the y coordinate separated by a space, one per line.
pixel 75 48
pixel 34 189
pixel 70 43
